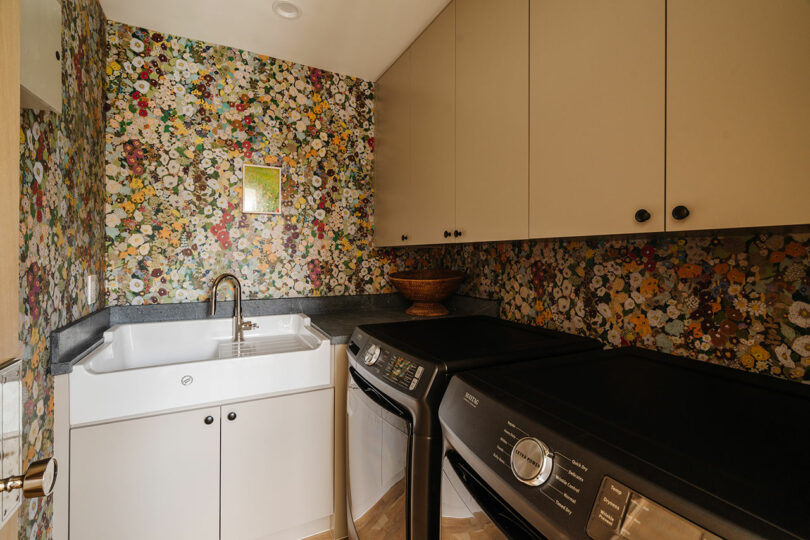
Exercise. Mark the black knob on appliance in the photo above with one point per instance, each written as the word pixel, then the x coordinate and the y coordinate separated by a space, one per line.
pixel 456 233
pixel 209 420
pixel 404 237
pixel 231 416
pixel 680 212
pixel 642 215
pixel 447 234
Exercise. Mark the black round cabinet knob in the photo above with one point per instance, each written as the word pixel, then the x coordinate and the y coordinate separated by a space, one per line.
pixel 447 234
pixel 231 416
pixel 642 215
pixel 58 55
pixel 404 237
pixel 209 420
pixel 680 212
pixel 456 233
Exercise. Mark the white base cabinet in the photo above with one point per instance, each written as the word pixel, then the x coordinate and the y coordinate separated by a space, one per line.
pixel 259 469
pixel 276 464
pixel 155 477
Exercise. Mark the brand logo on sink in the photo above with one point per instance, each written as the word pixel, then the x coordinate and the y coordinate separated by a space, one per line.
pixel 186 380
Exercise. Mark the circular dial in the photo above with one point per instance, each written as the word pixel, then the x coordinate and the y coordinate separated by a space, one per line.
pixel 531 461
pixel 372 355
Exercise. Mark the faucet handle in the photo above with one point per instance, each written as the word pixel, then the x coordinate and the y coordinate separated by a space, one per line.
pixel 249 325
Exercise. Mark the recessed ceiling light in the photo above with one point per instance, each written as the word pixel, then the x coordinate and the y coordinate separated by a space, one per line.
pixel 286 10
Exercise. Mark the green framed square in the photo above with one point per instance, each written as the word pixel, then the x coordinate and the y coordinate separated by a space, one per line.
pixel 261 189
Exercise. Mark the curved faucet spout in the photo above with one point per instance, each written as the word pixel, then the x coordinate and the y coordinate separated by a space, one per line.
pixel 237 292
pixel 239 326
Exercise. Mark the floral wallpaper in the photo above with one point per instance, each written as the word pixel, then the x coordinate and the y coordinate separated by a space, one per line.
pixel 61 226
pixel 741 301
pixel 183 116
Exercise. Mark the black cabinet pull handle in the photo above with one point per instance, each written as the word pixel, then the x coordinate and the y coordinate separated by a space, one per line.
pixel 456 233
pixel 404 237
pixel 209 420
pixel 231 416
pixel 642 215
pixel 447 234
pixel 680 212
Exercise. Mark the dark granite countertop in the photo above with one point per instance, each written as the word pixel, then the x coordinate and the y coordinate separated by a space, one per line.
pixel 335 316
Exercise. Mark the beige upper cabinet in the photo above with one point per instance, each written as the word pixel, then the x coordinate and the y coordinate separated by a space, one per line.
pixel 414 173
pixel 738 113
pixel 9 179
pixel 433 168
pixel 41 65
pixel 492 120
pixel 586 117
pixel 393 211
pixel 597 117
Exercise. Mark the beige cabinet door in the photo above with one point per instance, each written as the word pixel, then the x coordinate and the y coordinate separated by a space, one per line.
pixel 155 477
pixel 41 68
pixel 597 117
pixel 433 164
pixel 393 211
pixel 738 112
pixel 277 465
pixel 9 228
pixel 9 179
pixel 492 119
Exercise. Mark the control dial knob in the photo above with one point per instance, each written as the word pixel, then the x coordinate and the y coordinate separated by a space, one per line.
pixel 372 355
pixel 531 461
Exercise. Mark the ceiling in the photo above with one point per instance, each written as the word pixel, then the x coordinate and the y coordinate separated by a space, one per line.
pixel 353 37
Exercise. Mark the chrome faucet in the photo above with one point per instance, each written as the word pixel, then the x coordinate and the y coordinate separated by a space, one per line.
pixel 239 325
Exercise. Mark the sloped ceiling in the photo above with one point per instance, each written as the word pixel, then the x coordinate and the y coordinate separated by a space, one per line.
pixel 353 37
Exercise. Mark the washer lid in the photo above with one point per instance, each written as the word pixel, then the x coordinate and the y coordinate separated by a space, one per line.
pixel 457 343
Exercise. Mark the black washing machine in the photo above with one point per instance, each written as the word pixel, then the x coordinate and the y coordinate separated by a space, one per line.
pixel 398 373
pixel 624 444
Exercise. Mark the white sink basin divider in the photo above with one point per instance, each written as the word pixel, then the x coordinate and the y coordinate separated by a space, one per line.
pixel 149 368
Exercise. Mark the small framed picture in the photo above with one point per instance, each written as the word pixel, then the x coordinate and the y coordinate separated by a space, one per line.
pixel 261 189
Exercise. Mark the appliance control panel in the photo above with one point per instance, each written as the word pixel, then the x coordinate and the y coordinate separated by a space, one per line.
pixel 399 370
pixel 547 470
pixel 620 512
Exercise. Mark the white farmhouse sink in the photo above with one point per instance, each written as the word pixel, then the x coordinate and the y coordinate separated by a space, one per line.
pixel 157 367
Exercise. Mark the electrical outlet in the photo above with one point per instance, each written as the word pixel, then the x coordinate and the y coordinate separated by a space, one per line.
pixel 91 288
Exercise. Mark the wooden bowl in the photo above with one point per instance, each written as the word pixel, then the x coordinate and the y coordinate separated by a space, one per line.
pixel 427 289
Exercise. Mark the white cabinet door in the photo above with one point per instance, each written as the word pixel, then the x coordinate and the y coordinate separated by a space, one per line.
pixel 738 113
pixel 597 117
pixel 155 477
pixel 40 54
pixel 12 435
pixel 277 465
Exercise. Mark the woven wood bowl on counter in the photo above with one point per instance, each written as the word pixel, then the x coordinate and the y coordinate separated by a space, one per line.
pixel 427 289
